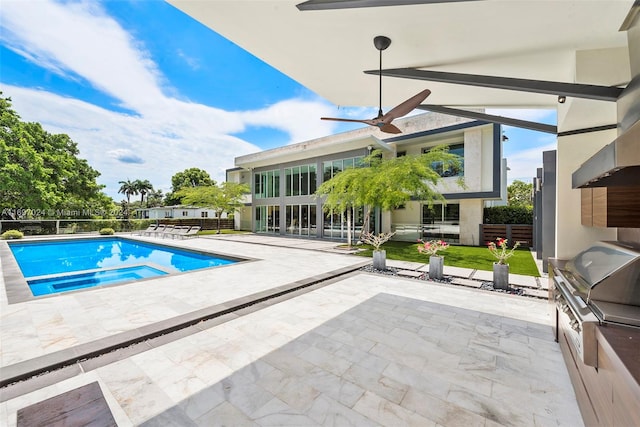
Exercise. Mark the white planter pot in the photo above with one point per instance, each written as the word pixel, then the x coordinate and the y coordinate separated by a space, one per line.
pixel 436 267
pixel 380 260
pixel 500 276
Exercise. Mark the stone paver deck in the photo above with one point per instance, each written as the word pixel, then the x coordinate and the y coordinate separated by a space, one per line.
pixel 45 325
pixel 363 350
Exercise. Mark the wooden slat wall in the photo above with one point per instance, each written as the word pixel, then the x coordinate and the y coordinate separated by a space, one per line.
pixel 513 233
pixel 206 224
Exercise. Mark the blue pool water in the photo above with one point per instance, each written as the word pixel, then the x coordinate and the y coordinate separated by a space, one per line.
pixel 87 280
pixel 120 259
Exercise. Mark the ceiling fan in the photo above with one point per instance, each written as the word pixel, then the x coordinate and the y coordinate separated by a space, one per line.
pixel 383 121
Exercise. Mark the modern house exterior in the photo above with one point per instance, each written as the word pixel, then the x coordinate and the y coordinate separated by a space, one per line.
pixel 284 180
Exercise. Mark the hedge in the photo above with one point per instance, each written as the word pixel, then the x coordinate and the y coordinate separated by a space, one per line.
pixel 508 215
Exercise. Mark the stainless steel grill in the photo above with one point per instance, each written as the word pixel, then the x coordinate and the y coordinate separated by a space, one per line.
pixel 599 286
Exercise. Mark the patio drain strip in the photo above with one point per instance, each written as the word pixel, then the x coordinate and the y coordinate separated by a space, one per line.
pixel 24 377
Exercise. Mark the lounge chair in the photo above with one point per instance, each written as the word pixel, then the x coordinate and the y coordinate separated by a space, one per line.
pixel 159 230
pixel 193 232
pixel 178 231
pixel 167 231
pixel 150 229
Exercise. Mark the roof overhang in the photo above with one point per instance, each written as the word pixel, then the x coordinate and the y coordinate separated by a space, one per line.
pixel 329 50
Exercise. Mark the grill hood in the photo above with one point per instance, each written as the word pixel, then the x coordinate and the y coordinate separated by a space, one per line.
pixel 617 164
pixel 607 271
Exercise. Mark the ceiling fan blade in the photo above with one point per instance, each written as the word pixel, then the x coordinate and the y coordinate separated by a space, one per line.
pixel 384 127
pixel 406 107
pixel 336 119
pixel 389 128
pixel 352 4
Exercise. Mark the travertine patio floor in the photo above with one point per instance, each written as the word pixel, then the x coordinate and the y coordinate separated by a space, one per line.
pixel 363 350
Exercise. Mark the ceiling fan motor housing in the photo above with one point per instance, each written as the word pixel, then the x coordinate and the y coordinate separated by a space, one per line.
pixel 381 42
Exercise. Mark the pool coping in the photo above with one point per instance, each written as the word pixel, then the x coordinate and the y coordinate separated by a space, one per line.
pixel 17 288
pixel 71 361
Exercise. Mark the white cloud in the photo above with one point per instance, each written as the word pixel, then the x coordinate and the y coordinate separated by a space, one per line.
pixel 524 148
pixel 80 39
pixel 300 119
pixel 80 42
pixel 110 140
pixel 192 62
pixel 523 164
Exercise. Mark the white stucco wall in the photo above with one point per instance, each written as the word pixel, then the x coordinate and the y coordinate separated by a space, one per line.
pixel 598 66
pixel 470 219
pixel 571 235
pixel 473 160
pixel 410 214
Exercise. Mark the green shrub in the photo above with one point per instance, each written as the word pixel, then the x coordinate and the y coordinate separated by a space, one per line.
pixel 508 215
pixel 106 231
pixel 12 234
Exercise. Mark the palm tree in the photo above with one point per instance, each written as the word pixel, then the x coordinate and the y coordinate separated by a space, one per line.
pixel 143 187
pixel 127 188
pixel 154 197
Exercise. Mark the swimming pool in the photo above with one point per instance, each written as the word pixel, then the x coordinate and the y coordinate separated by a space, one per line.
pixel 60 266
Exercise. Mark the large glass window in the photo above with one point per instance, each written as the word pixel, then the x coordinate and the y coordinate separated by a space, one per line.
pixel 441 222
pixel 266 184
pixel 449 170
pixel 301 220
pixel 268 219
pixel 335 224
pixel 331 168
pixel 300 180
pixel 313 176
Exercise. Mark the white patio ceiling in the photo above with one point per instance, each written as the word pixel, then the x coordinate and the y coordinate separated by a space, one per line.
pixel 327 51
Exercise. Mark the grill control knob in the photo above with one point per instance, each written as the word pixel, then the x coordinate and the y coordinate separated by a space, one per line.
pixel 564 308
pixel 575 325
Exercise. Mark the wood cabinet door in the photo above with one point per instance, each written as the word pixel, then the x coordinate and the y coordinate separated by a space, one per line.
pixel 586 207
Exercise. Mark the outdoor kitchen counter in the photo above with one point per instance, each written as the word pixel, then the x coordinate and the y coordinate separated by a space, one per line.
pixel 625 344
pixel 619 371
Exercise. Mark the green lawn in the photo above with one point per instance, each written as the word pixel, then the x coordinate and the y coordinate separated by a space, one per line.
pixel 479 258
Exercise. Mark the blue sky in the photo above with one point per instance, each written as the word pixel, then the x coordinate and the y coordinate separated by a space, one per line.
pixel 146 91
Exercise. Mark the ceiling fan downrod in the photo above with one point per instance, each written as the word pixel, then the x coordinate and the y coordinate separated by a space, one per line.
pixel 381 43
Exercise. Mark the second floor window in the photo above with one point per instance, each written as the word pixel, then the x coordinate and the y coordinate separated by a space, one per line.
pixel 267 184
pixel 449 170
pixel 300 180
pixel 331 168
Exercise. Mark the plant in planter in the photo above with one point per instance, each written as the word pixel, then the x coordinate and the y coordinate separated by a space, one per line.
pixel 12 234
pixel 379 255
pixel 436 262
pixel 501 251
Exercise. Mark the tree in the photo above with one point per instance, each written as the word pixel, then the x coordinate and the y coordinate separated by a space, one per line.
pixel 520 194
pixel 154 198
pixel 128 188
pixel 387 184
pixel 192 177
pixel 143 188
pixel 41 174
pixel 223 198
